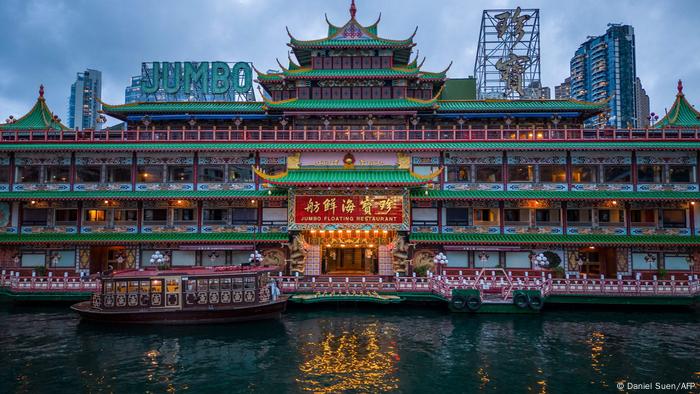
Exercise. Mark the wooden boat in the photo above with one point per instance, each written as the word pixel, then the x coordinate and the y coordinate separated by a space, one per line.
pixel 187 296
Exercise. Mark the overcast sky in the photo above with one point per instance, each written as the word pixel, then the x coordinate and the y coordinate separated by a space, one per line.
pixel 48 41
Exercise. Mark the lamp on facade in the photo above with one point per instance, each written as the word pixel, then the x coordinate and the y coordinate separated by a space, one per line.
pixel 192 121
pixel 461 122
pixel 414 121
pixel 284 122
pixel 146 120
pixel 11 119
pixel 555 120
pixel 101 119
pixel 237 122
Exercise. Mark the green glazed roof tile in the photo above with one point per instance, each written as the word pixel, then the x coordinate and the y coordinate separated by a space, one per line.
pixel 347 177
pixel 39 117
pixel 151 237
pixel 552 195
pixel 516 105
pixel 681 114
pixel 183 107
pixel 138 195
pixel 554 239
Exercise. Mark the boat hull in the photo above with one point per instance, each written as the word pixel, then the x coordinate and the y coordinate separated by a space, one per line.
pixel 271 310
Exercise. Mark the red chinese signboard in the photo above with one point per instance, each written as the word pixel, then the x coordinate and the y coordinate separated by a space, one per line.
pixel 356 209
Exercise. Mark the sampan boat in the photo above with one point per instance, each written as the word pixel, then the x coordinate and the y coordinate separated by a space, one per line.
pixel 188 296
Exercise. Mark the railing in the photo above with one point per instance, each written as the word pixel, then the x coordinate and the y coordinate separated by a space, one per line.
pixel 16 283
pixel 348 135
pixel 487 281
pixel 494 282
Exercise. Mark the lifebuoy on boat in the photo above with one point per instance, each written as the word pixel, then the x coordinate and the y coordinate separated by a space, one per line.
pixel 474 303
pixel 520 300
pixel 536 302
pixel 459 302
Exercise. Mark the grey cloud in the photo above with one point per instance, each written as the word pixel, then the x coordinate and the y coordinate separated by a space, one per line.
pixel 48 41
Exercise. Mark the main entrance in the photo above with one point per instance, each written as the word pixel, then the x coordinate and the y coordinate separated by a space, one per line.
pixel 351 252
pixel 349 260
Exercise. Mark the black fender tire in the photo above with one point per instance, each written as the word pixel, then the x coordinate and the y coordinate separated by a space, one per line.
pixel 521 301
pixel 536 302
pixel 473 303
pixel 458 302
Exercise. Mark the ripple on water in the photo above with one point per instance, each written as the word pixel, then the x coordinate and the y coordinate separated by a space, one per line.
pixel 360 350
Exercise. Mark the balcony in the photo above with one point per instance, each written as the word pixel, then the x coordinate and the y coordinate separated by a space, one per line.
pixel 343 135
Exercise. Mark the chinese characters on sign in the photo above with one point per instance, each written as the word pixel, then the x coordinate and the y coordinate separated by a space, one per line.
pixel 349 209
pixel 513 67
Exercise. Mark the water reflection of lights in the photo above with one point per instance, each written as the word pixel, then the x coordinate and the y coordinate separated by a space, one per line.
pixel 161 364
pixel 596 341
pixel 349 362
pixel 483 378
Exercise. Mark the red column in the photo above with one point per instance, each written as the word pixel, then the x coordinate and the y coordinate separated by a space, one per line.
pixel 505 170
pixel 134 173
pixel 569 171
pixel 195 166
pixel 634 171
pixel 71 177
pixel 691 217
pixel 564 223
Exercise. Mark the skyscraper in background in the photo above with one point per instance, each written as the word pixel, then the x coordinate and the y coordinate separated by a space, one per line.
pixel 604 67
pixel 132 93
pixel 83 105
pixel 563 91
pixel 642 104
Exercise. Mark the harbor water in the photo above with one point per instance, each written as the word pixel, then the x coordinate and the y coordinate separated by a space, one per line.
pixel 352 349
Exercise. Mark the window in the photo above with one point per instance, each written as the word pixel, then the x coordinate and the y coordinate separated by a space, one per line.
pixel 680 174
pixel 155 216
pixel 673 218
pixel 4 174
pixel 611 217
pixel 584 174
pixel 489 174
pixel 180 174
pixel 57 174
pixel 238 173
pixel 89 174
pixel 547 217
pixel 616 174
pixel 150 174
pixel 516 216
pixel 211 174
pixel 119 174
pixel 643 217
pixel 552 173
pixel 28 174
pixel 244 216
pixel 485 216
pixel 95 215
pixel 125 215
pixel 521 173
pixel 458 174
pixel 183 215
pixel 649 173
pixel 457 216
pixel 214 216
pixel 578 217
pixel 35 217
pixel 65 216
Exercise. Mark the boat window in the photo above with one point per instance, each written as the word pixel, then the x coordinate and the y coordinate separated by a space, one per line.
pixel 156 286
pixel 202 285
pixel 237 283
pixel 191 285
pixel 109 286
pixel 249 282
pixel 133 286
pixel 213 285
pixel 173 285
pixel 144 286
pixel 225 283
pixel 121 287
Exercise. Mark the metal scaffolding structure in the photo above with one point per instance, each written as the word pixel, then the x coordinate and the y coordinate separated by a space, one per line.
pixel 508 56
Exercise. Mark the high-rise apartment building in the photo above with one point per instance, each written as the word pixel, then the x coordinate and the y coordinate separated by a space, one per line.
pixel 603 68
pixel 84 102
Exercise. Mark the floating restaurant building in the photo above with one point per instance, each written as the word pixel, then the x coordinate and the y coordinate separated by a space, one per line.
pixel 352 164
